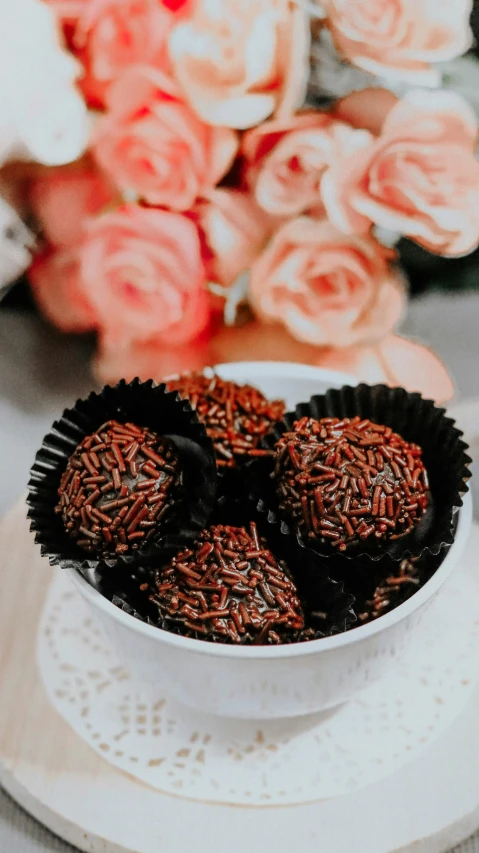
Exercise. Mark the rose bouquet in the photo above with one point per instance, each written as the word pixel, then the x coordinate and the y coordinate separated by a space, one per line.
pixel 226 179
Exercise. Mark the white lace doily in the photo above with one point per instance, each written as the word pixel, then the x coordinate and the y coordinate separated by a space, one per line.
pixel 206 758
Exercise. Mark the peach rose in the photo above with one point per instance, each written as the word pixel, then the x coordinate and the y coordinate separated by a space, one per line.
pixel 399 38
pixel 328 289
pixel 239 61
pixel 64 198
pixel 152 143
pixel 58 290
pixel 235 231
pixel 420 178
pixel 112 35
pixel 285 160
pixel 142 271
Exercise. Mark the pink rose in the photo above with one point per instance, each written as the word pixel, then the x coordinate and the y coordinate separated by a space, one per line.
pixel 420 178
pixel 239 61
pixel 64 198
pixel 112 35
pixel 285 160
pixel 58 290
pixel 152 143
pixel 235 231
pixel 143 274
pixel 328 289
pixel 399 38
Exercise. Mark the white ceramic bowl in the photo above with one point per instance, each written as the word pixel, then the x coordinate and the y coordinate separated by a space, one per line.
pixel 271 681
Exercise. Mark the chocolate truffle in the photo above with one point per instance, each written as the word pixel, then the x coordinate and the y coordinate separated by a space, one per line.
pixel 348 481
pixel 118 488
pixel 396 588
pixel 236 416
pixel 229 588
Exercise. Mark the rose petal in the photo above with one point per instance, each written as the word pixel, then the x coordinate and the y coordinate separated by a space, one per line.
pixel 397 362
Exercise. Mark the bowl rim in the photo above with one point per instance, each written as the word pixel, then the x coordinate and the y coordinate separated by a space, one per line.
pixel 293 650
pixel 283 370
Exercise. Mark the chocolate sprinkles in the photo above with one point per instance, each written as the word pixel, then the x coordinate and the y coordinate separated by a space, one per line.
pixel 236 416
pixel 348 480
pixel 118 486
pixel 228 588
pixel 392 591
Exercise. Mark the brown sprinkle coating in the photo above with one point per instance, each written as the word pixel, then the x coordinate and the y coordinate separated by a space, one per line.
pixel 392 591
pixel 236 416
pixel 229 588
pixel 117 487
pixel 350 480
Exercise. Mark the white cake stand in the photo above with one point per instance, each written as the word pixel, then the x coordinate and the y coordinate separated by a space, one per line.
pixel 428 806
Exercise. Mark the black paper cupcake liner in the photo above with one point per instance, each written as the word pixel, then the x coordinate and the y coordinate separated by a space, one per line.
pixel 148 405
pixel 127 608
pixel 232 485
pixel 329 607
pixel 416 420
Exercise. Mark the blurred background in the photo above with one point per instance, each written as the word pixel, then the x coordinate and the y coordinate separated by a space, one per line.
pixel 184 182
pixel 166 205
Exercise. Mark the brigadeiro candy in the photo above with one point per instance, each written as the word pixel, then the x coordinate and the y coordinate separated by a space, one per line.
pixel 402 582
pixel 365 471
pixel 121 478
pixel 236 416
pixel 118 487
pixel 348 480
pixel 228 587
